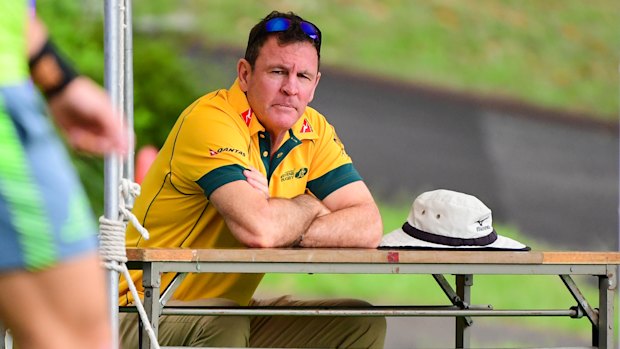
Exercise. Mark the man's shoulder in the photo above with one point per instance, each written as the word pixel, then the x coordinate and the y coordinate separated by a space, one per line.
pixel 212 106
pixel 218 100
pixel 313 122
pixel 314 115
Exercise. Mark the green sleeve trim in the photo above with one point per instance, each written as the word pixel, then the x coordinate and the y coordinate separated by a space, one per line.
pixel 219 177
pixel 332 180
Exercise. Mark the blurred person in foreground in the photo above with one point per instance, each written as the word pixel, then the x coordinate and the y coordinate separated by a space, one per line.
pixel 254 166
pixel 52 287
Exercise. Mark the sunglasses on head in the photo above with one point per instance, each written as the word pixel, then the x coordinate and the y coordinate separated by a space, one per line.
pixel 280 24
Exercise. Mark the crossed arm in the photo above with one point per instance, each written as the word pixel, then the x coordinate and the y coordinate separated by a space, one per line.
pixel 348 217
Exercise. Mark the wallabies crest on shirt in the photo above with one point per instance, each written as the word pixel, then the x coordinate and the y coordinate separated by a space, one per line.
pixel 290 174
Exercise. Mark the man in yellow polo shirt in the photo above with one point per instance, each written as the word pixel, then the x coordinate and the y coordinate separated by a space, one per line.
pixel 255 166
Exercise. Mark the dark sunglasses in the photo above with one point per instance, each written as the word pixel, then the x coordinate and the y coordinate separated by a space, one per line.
pixel 280 24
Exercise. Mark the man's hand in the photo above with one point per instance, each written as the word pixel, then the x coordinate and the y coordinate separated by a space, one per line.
pixel 257 180
pixel 87 118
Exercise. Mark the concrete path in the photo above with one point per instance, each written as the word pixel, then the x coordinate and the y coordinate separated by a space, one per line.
pixel 552 175
pixel 555 180
pixel 426 333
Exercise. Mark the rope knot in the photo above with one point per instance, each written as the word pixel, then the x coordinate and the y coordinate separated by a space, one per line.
pixel 112 240
pixel 112 245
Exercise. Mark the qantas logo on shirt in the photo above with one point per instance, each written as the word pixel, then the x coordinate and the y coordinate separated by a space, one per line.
pixel 246 116
pixel 226 150
pixel 305 128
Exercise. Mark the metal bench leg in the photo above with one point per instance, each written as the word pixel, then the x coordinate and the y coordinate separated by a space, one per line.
pixel 151 280
pixel 602 337
pixel 463 326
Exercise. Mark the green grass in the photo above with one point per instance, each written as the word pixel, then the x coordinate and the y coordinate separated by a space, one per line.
pixel 503 292
pixel 554 53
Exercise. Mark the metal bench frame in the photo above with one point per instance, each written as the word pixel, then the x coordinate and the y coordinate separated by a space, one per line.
pixel 463 264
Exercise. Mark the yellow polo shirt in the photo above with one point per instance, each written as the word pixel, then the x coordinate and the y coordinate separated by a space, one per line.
pixel 212 142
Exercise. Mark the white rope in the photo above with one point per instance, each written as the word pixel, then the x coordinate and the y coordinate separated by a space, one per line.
pixel 129 191
pixel 141 311
pixel 112 242
pixel 112 247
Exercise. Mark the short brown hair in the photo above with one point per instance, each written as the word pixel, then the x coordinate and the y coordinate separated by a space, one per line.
pixel 259 34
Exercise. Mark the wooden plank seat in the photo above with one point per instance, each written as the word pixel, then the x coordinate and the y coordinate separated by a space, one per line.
pixel 327 255
pixel 463 264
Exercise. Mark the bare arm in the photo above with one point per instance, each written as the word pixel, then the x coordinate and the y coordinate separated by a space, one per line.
pixel 354 220
pixel 259 221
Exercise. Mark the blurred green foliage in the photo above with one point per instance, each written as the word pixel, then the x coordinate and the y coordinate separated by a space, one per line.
pixel 163 81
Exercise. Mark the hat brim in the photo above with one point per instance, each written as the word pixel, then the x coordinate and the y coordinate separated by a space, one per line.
pixel 399 239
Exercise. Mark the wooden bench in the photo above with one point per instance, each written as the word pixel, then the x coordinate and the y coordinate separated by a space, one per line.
pixel 462 264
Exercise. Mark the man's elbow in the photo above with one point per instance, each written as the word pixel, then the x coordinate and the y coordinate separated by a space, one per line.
pixel 376 234
pixel 259 236
pixel 260 242
pixel 374 231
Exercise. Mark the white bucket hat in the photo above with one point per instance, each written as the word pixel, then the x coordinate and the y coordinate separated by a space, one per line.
pixel 445 219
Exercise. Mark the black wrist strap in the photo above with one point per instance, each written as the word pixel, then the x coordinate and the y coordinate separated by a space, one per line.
pixel 58 73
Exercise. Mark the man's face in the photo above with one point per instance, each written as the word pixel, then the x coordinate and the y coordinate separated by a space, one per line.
pixel 281 84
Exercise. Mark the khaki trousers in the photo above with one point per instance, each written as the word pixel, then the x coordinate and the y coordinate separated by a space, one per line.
pixel 262 331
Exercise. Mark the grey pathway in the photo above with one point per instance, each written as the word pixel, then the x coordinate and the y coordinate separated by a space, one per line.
pixel 553 176
pixel 426 333
pixel 556 181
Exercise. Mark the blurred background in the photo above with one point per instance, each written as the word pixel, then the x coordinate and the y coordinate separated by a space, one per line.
pixel 515 102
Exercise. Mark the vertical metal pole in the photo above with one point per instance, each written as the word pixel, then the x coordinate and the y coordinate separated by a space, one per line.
pixel 463 330
pixel 128 168
pixel 151 280
pixel 113 73
pixel 605 334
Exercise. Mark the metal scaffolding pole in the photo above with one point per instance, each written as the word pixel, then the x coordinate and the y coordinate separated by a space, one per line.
pixel 128 94
pixel 118 83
